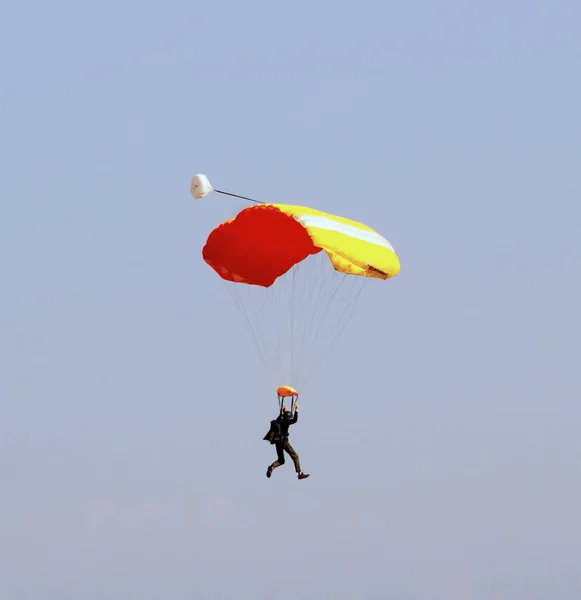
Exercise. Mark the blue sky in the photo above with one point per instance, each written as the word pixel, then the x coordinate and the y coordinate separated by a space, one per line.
pixel 441 434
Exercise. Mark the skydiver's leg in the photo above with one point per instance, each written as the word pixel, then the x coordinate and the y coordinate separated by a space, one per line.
pixel 280 459
pixel 291 452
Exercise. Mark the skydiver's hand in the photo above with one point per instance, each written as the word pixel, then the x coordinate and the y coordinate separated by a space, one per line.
pixel 296 407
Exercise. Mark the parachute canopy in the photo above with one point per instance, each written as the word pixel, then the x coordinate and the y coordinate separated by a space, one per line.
pixel 296 275
pixel 263 242
pixel 200 186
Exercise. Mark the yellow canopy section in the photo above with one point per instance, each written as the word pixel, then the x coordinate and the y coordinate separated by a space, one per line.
pixel 354 248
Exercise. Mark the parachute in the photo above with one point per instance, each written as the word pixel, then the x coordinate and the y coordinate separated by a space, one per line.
pixel 263 242
pixel 296 275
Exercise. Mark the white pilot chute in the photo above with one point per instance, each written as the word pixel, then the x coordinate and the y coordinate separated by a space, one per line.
pixel 200 186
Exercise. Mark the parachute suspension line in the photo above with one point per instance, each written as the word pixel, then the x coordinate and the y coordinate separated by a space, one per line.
pixel 298 295
pixel 304 299
pixel 323 304
pixel 240 305
pixel 350 312
pixel 261 310
pixel 289 368
pixel 295 323
pixel 332 311
pixel 291 354
pixel 315 285
pixel 321 288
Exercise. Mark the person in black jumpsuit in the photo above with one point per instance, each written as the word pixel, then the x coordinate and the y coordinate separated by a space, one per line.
pixel 278 435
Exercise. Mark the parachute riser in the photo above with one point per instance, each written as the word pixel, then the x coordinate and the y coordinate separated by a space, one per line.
pixel 281 400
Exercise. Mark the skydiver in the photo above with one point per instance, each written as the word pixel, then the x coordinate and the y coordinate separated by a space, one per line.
pixel 278 435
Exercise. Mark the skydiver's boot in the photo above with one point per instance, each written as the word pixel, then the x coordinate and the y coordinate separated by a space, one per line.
pixel 303 475
pixel 269 471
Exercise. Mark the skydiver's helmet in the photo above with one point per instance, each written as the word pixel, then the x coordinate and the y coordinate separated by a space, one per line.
pixel 285 412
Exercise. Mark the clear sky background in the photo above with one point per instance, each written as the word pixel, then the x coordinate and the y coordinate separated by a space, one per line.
pixel 442 434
